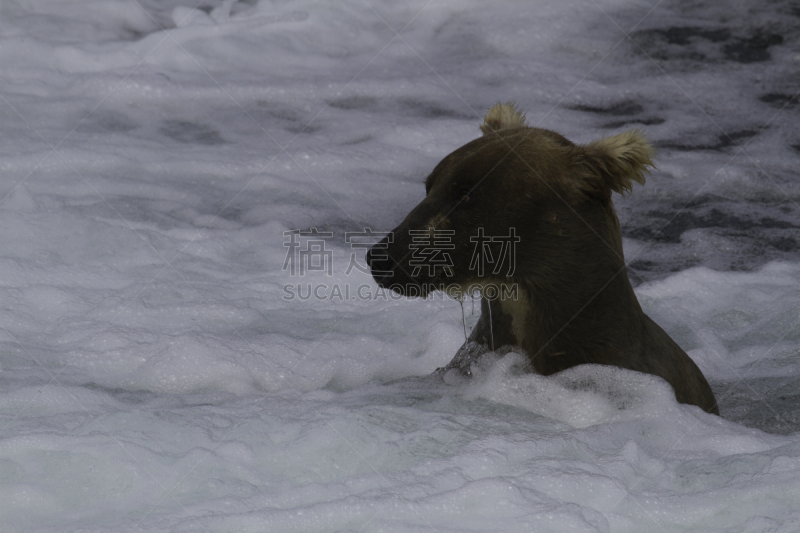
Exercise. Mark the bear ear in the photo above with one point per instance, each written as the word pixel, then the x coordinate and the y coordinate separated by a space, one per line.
pixel 503 117
pixel 614 163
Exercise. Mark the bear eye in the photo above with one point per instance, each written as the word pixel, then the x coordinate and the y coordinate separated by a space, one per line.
pixel 464 194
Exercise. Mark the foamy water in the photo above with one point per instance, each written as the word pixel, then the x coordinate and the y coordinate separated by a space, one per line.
pixel 161 371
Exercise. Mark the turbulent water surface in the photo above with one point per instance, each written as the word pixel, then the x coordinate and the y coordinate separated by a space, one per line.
pixel 160 369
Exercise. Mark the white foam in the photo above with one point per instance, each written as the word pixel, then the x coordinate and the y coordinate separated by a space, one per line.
pixel 153 377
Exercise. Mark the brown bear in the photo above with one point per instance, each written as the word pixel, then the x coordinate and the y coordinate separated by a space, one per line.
pixel 543 204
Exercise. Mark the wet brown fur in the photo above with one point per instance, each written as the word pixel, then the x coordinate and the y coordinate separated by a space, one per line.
pixel 576 304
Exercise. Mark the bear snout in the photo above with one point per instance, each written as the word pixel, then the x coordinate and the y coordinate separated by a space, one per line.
pixel 388 262
pixel 381 264
pixel 375 264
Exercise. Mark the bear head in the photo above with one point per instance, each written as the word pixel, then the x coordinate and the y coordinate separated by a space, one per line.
pixel 518 202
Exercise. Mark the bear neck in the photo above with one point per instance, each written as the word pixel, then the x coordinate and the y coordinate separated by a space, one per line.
pixel 569 311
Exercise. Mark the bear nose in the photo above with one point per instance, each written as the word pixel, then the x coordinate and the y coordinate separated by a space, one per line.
pixel 379 263
pixel 372 261
pixel 376 261
pixel 370 257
